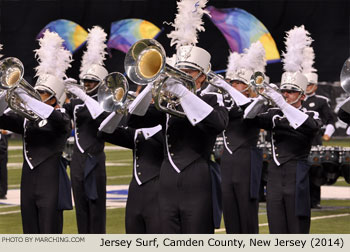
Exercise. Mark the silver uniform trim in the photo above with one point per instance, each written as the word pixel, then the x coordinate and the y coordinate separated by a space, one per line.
pixel 226 146
pixel 135 144
pixel 273 140
pixel 76 127
pixel 167 147
pixel 24 145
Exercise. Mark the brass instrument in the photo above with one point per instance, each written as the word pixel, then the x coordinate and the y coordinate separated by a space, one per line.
pixel 11 78
pixel 345 76
pixel 257 81
pixel 145 62
pixel 113 94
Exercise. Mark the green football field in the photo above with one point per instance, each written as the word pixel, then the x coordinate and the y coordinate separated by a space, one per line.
pixel 334 217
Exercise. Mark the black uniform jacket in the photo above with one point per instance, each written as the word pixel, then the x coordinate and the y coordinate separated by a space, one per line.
pixel 239 132
pixel 40 140
pixel 148 153
pixel 288 143
pixel 186 143
pixel 321 105
pixel 86 127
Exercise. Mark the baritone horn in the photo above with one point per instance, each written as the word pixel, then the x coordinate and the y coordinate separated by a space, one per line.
pixel 113 94
pixel 145 62
pixel 11 78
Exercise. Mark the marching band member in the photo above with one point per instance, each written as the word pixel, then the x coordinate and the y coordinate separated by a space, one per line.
pixel 142 210
pixel 43 139
pixel 88 169
pixel 241 162
pixel 292 130
pixel 320 104
pixel 185 192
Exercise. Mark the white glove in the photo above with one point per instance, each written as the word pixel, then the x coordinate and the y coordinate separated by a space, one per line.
pixel 293 115
pixel 275 96
pixel 209 89
pixel 38 107
pixel 254 108
pixel 239 98
pixel 176 88
pixel 78 92
pixel 194 107
pixel 70 81
pixel 3 103
pixel 141 103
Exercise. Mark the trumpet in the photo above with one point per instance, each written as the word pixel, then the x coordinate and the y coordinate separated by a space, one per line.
pixel 211 75
pixel 11 78
pixel 257 81
pixel 113 94
pixel 145 62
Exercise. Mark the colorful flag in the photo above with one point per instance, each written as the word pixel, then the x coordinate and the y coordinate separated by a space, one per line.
pixel 74 35
pixel 124 33
pixel 241 29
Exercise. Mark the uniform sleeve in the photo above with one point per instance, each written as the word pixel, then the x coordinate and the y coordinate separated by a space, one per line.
pixel 13 122
pixel 122 136
pixel 328 116
pixel 69 107
pixel 264 120
pixel 218 119
pixel 59 121
pixel 152 118
pixel 312 124
pixel 344 116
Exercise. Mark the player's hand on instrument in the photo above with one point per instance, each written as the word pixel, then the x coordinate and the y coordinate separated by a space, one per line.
pixel 78 92
pixel 176 88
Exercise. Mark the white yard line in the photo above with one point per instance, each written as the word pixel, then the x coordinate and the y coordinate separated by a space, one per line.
pixel 20 147
pixel 121 176
pixel 10 212
pixel 17 166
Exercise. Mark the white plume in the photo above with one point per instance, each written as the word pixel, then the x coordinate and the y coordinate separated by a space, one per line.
pixel 296 40
pixel 0 50
pixel 234 61
pixel 95 49
pixel 52 57
pixel 253 58
pixel 309 60
pixel 188 22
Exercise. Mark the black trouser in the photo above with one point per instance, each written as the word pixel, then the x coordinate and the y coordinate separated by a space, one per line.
pixel 91 214
pixel 185 201
pixel 142 208
pixel 39 198
pixel 3 174
pixel 281 201
pixel 315 193
pixel 239 209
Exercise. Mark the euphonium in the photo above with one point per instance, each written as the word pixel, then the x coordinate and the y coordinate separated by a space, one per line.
pixel 113 94
pixel 11 78
pixel 145 62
